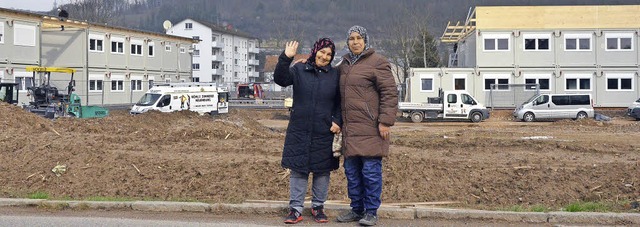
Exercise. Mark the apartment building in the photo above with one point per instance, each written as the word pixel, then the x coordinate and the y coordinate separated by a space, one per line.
pixel 224 55
pixel 562 49
pixel 114 65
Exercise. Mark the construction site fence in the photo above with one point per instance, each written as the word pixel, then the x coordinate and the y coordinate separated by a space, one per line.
pixel 509 96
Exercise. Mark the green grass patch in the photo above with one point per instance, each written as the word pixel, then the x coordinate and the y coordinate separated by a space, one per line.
pixel 108 199
pixel 539 208
pixel 38 195
pixel 521 208
pixel 587 207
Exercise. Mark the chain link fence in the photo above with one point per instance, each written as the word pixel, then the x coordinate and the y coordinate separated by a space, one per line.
pixel 507 96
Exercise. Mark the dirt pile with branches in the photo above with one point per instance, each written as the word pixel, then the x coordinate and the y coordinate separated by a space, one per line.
pixel 183 156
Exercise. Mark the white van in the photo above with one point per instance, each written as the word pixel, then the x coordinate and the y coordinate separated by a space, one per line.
pixel 555 106
pixel 197 97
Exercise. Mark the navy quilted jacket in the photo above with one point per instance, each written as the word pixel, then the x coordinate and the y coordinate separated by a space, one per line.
pixel 316 104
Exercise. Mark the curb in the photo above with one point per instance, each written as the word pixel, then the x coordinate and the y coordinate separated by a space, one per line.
pixel 335 209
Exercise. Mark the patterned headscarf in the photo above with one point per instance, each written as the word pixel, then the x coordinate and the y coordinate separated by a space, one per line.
pixel 319 45
pixel 363 32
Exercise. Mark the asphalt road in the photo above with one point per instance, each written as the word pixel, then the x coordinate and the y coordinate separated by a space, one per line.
pixel 33 216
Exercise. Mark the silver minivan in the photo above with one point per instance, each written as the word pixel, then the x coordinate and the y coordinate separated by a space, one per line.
pixel 555 106
pixel 634 110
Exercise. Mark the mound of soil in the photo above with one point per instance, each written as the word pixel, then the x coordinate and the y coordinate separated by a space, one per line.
pixel 235 157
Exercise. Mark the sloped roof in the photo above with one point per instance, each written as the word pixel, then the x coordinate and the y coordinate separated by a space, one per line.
pixel 272 60
pixel 223 29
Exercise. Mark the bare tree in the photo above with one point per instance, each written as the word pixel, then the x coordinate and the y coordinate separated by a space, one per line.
pixel 401 43
pixel 97 11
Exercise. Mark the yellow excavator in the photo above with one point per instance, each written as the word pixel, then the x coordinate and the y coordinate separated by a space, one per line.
pixel 48 101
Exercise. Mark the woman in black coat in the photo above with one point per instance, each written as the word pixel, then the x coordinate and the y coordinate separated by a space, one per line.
pixel 315 117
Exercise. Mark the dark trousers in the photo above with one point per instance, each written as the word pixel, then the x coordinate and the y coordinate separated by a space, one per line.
pixel 364 183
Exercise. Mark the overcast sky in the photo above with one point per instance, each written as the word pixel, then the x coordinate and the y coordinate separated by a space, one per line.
pixel 33 5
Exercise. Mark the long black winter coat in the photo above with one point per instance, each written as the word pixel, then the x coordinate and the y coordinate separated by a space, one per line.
pixel 316 104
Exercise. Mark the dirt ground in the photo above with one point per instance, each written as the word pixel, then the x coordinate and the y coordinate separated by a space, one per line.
pixel 182 156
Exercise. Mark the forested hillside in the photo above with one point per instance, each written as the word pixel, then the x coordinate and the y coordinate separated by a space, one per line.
pixel 406 31
pixel 284 19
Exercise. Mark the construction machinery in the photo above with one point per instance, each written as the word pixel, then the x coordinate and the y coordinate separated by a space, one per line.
pixel 48 101
pixel 9 93
pixel 250 91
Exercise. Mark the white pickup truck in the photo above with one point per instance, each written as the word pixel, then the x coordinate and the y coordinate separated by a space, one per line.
pixel 450 105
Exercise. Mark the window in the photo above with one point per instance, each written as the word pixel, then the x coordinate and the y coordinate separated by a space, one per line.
pixel 167 80
pixel 578 82
pixel 620 82
pixel 117 45
pixel 95 84
pixel 235 49
pixel 235 61
pixel 459 82
pixel 467 99
pixel 543 81
pixel 1 32
pixel 213 38
pixel 536 42
pixel 24 35
pixel 188 26
pixel 543 99
pixel 24 82
pixel 183 50
pixel 195 66
pixel 565 100
pixel 96 45
pixel 577 42
pixel 452 98
pixel 619 41
pixel 426 83
pixel 136 84
pixel 501 81
pixel 150 84
pixel 196 52
pixel 196 37
pixel 151 49
pixel 167 48
pixel 195 79
pixel 136 47
pixel 496 42
pixel 117 83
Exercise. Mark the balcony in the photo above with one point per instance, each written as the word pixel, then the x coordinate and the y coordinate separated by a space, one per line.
pixel 217 72
pixel 253 62
pixel 254 50
pixel 218 45
pixel 217 58
pixel 253 74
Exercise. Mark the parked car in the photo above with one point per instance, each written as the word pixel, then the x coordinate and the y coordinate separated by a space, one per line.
pixel 634 110
pixel 555 106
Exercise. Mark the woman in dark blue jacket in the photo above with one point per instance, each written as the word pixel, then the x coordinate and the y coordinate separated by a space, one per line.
pixel 315 117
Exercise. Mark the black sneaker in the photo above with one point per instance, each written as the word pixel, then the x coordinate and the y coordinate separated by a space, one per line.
pixel 318 214
pixel 368 220
pixel 349 217
pixel 293 217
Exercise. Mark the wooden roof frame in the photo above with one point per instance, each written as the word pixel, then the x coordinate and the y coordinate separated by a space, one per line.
pixel 455 33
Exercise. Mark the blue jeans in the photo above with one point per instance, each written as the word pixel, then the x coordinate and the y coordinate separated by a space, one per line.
pixel 298 182
pixel 364 183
